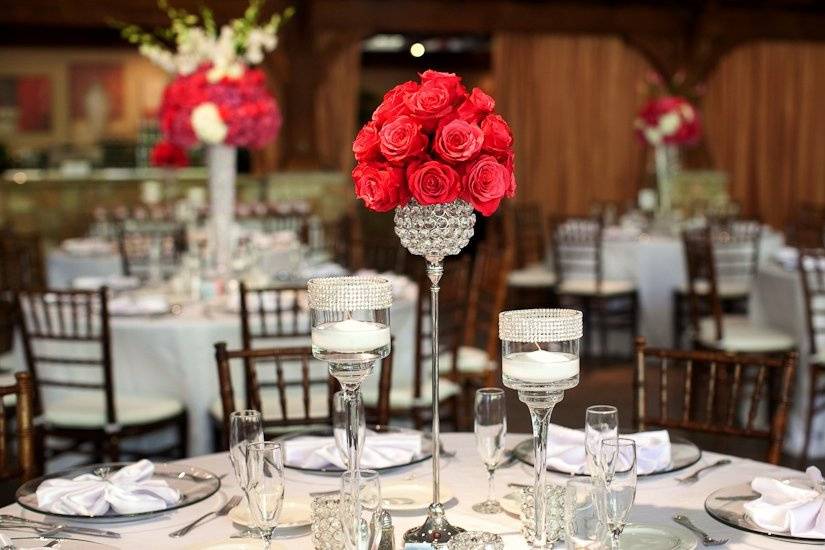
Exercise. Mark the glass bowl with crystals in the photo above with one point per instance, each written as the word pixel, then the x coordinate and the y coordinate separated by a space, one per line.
pixel 553 513
pixel 435 231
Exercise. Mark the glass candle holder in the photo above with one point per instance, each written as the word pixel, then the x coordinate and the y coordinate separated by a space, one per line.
pixel 553 513
pixel 327 531
pixel 475 540
pixel 540 359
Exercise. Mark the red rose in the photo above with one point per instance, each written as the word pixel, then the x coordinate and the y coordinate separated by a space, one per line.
pixel 432 182
pixel 166 154
pixel 458 141
pixel 367 143
pixel 497 135
pixel 401 138
pixel 380 186
pixel 450 81
pixel 476 106
pixel 393 104
pixel 486 182
pixel 430 102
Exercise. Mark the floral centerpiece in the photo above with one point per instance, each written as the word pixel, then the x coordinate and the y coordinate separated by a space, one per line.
pixel 215 98
pixel 666 122
pixel 435 153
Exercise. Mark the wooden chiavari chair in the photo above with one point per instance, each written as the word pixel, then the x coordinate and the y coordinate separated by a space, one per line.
pixel 712 393
pixel 606 303
pixel 18 455
pixel 273 313
pixel 812 272
pixel 21 261
pixel 532 282
pixel 148 245
pixel 285 397
pixel 736 245
pixel 67 344
pixel 711 328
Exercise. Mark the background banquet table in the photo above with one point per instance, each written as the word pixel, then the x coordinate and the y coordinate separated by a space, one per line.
pixel 63 267
pixel 464 475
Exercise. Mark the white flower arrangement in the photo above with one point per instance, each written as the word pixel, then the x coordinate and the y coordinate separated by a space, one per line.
pixel 193 40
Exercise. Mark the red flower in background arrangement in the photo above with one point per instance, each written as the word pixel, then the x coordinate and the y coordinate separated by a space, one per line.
pixel 168 155
pixel 668 120
pixel 434 142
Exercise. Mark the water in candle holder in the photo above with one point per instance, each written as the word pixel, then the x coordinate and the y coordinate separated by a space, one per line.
pixel 540 371
pixel 351 345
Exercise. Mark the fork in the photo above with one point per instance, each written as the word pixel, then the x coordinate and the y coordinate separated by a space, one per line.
pixel 694 477
pixel 224 510
pixel 707 540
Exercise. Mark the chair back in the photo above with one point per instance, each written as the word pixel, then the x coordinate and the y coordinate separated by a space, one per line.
pixel 18 456
pixel 67 344
pixel 702 287
pixel 452 316
pixel 713 393
pixel 736 246
pixel 577 250
pixel 21 261
pixel 531 243
pixel 812 272
pixel 146 244
pixel 273 312
pixel 488 294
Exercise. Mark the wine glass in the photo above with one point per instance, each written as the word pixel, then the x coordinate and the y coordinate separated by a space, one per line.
pixel 245 427
pixel 490 430
pixel 265 488
pixel 582 528
pixel 617 491
pixel 360 507
pixel 339 425
pixel 600 422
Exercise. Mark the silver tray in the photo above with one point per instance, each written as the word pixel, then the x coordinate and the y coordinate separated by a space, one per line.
pixel 194 484
pixel 728 506
pixel 683 454
pixel 426 449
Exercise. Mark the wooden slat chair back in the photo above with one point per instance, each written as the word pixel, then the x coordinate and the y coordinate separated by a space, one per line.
pixel 736 249
pixel 18 442
pixel 273 312
pixel 21 261
pixel 531 244
pixel 703 293
pixel 488 294
pixel 811 265
pixel 577 250
pixel 54 320
pixel 713 393
pixel 143 243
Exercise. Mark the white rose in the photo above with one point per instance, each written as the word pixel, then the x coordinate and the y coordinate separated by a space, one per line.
pixel 208 124
pixel 669 123
pixel 653 136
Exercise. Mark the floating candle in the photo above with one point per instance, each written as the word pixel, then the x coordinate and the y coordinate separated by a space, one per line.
pixel 351 336
pixel 540 366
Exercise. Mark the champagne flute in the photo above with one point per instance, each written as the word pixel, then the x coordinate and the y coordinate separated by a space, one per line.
pixel 582 528
pixel 617 490
pixel 490 430
pixel 265 489
pixel 340 419
pixel 245 427
pixel 360 507
pixel 601 422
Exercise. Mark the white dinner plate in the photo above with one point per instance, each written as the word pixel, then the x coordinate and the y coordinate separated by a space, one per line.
pixel 294 514
pixel 405 496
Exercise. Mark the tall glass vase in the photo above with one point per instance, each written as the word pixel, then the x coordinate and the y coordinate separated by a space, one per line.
pixel 221 161
pixel 434 232
pixel 666 158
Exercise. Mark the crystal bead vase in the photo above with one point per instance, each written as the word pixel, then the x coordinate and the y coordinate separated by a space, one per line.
pixel 434 232
pixel 222 171
pixel 667 163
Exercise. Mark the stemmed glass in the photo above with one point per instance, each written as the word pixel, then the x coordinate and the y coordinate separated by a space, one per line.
pixel 601 422
pixel 490 430
pixel 360 509
pixel 582 528
pixel 617 491
pixel 245 427
pixel 340 414
pixel 265 489
pixel 350 332
pixel 540 359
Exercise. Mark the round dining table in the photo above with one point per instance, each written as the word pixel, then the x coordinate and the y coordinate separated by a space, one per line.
pixel 658 499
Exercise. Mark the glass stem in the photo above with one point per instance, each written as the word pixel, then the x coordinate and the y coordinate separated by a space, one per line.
pixel 614 539
pixel 435 270
pixel 491 472
pixel 266 535
pixel 540 417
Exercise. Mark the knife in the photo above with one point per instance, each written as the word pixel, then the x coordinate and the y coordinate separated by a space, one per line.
pixel 90 531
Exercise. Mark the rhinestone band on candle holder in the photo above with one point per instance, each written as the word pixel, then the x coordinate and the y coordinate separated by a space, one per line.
pixel 540 325
pixel 349 293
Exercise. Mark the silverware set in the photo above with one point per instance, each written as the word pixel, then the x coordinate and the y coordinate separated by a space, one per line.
pixel 694 477
pixel 706 539
pixel 220 512
pixel 8 521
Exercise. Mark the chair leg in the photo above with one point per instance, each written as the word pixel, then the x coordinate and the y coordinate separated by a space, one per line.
pixel 677 319
pixel 113 444
pixel 601 309
pixel 812 394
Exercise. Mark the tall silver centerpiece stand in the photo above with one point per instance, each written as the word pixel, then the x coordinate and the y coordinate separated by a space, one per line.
pixel 350 332
pixel 540 360
pixel 434 232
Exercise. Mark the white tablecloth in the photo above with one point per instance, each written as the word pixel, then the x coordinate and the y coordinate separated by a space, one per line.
pixel 63 268
pixel 658 498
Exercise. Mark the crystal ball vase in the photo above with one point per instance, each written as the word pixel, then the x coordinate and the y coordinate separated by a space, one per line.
pixel 435 231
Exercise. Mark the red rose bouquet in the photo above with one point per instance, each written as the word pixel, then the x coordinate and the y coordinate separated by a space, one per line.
pixel 434 142
pixel 668 120
pixel 168 155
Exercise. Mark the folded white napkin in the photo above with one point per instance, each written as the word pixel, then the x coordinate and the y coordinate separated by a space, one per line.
pixel 87 247
pixel 566 450
pixel 794 508
pixel 130 490
pixel 149 304
pixel 380 451
pixel 788 258
pixel 114 282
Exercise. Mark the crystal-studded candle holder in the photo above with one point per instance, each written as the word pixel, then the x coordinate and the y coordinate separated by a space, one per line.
pixel 553 513
pixel 540 359
pixel 476 540
pixel 327 531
